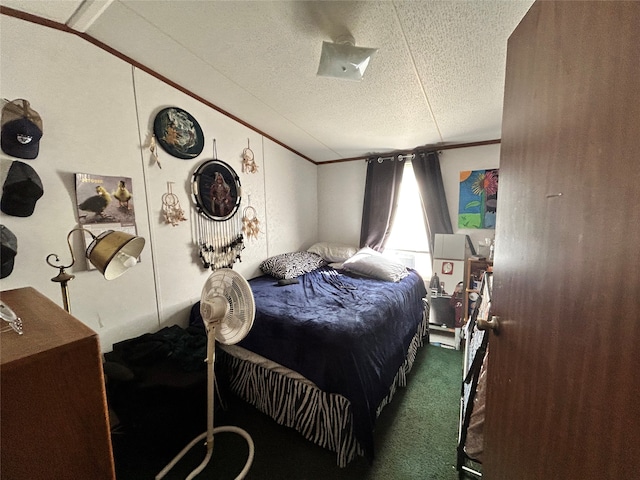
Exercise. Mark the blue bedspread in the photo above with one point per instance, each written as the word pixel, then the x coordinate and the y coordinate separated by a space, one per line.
pixel 347 334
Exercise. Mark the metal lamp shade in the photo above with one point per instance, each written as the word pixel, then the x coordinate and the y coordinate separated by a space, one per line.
pixel 344 60
pixel 113 253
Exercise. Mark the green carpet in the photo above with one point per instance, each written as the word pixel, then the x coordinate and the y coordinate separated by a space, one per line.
pixel 415 438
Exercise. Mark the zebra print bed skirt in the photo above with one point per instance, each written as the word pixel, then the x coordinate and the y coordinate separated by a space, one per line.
pixel 293 401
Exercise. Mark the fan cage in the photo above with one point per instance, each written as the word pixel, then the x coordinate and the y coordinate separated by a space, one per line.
pixel 236 291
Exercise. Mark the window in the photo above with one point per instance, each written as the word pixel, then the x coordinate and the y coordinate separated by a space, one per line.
pixel 408 241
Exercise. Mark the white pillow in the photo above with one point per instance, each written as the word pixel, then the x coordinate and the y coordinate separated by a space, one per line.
pixel 333 252
pixel 369 263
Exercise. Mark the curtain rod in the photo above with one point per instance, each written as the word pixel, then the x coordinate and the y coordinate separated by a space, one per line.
pixel 409 156
pixel 430 148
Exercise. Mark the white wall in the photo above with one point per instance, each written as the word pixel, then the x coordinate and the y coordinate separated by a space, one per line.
pixel 97 115
pixel 340 200
pixel 292 200
pixel 341 192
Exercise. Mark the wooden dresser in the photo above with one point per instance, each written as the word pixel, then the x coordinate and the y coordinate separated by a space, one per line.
pixel 53 411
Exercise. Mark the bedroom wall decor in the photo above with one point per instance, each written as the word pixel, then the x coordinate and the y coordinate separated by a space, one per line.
pixel 104 203
pixel 219 243
pixel 178 133
pixel 250 222
pixel 153 148
pixel 216 190
pixel 171 209
pixel 217 195
pixel 478 199
pixel 248 162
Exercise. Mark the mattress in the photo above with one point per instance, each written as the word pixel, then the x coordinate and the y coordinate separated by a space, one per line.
pixel 348 335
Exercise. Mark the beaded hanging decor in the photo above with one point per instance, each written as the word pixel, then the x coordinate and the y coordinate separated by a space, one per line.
pixel 219 243
pixel 216 197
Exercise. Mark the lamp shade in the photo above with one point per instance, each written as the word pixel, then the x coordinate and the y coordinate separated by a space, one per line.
pixel 113 252
pixel 344 60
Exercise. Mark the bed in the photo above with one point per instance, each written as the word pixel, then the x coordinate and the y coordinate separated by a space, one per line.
pixel 327 353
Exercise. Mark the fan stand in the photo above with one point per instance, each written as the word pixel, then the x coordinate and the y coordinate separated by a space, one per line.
pixel 211 353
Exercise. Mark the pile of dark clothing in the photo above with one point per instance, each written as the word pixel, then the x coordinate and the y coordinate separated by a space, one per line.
pixel 186 349
pixel 156 383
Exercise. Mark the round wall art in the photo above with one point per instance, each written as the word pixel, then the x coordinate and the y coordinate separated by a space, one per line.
pixel 216 190
pixel 178 133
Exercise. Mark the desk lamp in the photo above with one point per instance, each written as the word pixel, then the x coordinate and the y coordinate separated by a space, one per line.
pixel 111 252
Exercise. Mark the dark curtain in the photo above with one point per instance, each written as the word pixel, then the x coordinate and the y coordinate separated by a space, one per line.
pixel 380 201
pixel 426 167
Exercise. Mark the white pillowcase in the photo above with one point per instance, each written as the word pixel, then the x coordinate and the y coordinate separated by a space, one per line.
pixel 369 263
pixel 333 252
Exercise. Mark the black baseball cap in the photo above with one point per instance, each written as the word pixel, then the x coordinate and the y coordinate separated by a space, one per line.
pixel 9 249
pixel 21 130
pixel 21 190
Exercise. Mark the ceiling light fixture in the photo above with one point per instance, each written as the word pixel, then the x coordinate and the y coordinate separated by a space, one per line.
pixel 344 60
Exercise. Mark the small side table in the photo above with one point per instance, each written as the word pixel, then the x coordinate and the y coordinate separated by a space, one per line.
pixel 442 320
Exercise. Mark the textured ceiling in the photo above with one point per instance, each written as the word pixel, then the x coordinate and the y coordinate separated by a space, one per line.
pixel 436 79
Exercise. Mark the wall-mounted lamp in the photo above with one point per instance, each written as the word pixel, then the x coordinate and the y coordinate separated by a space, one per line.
pixel 344 60
pixel 111 252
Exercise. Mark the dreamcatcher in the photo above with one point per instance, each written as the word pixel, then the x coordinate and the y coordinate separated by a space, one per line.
pixel 250 223
pixel 217 195
pixel 171 209
pixel 248 162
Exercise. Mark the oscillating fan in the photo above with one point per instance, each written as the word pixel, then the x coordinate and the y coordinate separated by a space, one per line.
pixel 228 310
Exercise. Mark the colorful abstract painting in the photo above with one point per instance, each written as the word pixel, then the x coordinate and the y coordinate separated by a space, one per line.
pixel 478 199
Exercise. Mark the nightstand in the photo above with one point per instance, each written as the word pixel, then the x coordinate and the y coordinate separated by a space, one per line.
pixel 442 317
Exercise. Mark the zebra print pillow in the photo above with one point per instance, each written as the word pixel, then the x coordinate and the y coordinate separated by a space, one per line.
pixel 292 264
